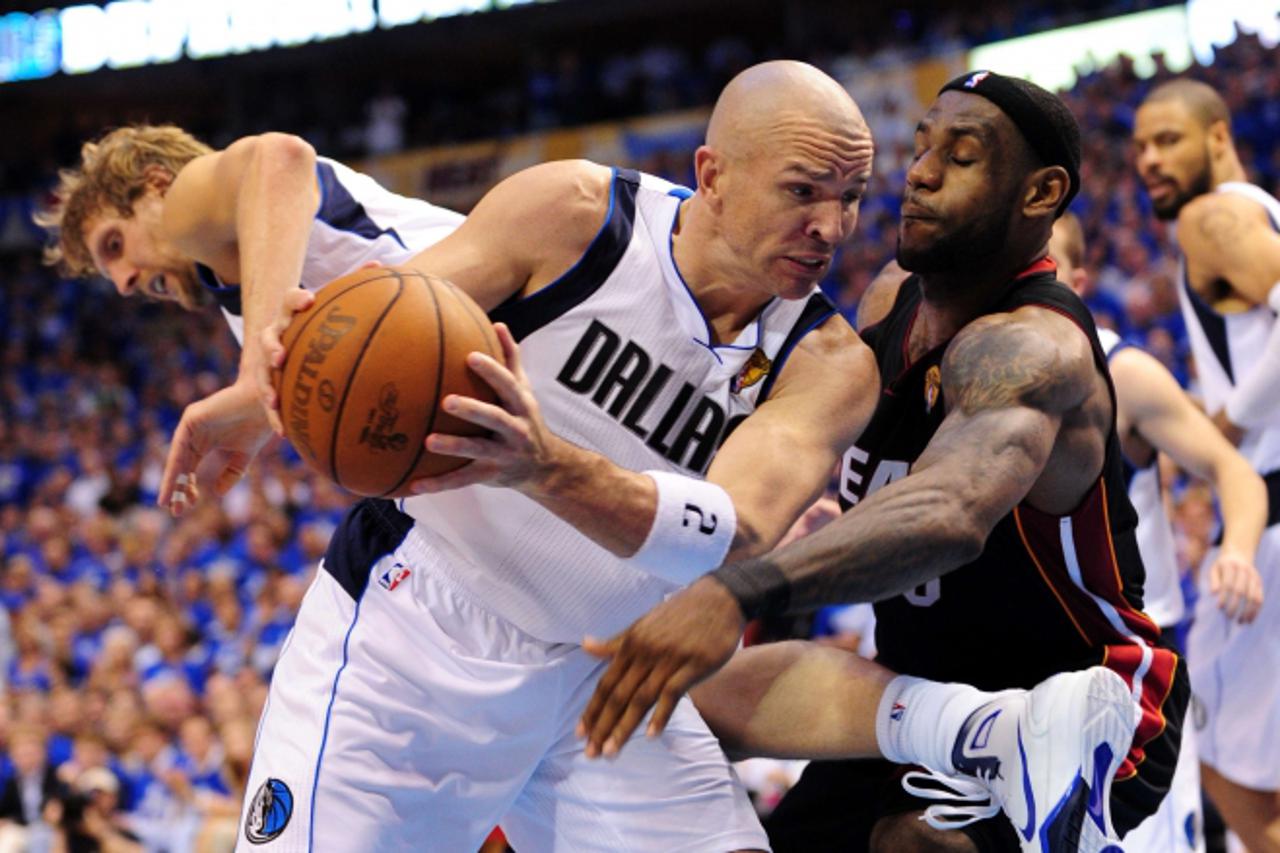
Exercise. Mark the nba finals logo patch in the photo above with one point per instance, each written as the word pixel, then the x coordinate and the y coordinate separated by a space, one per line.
pixel 394 576
pixel 269 812
pixel 757 368
pixel 932 388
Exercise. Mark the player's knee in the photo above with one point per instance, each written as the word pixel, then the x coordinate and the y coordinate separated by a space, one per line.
pixel 906 833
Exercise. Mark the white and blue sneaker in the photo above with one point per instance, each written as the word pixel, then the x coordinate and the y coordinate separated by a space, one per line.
pixel 1047 758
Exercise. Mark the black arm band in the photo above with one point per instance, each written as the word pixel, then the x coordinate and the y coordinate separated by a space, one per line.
pixel 760 587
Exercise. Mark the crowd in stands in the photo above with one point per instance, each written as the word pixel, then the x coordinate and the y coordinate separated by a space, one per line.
pixel 135 650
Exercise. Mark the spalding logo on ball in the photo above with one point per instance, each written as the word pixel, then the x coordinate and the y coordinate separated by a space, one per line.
pixel 365 369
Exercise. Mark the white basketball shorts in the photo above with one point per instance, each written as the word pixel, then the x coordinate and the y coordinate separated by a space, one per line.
pixel 402 715
pixel 1234 678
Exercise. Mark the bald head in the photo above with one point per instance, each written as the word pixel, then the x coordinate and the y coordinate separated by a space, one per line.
pixel 1201 101
pixel 768 102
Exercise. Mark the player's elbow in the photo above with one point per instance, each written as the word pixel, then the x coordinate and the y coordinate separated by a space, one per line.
pixel 751 540
pixel 285 151
pixel 962 529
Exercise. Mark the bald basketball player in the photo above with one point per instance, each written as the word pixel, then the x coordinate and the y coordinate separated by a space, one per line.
pixel 987 519
pixel 673 390
pixel 1227 231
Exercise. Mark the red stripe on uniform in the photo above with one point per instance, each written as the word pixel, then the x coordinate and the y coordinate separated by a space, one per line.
pixel 1100 575
pixel 1124 660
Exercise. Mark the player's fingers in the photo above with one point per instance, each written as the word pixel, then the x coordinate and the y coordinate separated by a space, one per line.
pixel 614 706
pixel 604 685
pixel 467 447
pixel 1237 583
pixel 182 496
pixel 1253 599
pixel 672 692
pixel 1215 578
pixel 1249 602
pixel 510 350
pixel 1226 595
pixel 482 414
pixel 601 648
pixel 634 712
pixel 504 383
pixel 181 460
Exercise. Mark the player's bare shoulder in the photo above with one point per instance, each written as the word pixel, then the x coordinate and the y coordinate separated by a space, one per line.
pixel 834 365
pixel 1030 357
pixel 1214 223
pixel 553 210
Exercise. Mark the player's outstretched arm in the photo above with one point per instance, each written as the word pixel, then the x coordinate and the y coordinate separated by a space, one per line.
pixel 248 209
pixel 1159 410
pixel 231 422
pixel 1010 380
pixel 1213 233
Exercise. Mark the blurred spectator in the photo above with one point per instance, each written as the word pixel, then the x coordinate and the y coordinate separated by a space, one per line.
pixel 88 816
pixel 32 784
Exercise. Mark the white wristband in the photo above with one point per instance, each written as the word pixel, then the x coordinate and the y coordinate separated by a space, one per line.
pixel 692 529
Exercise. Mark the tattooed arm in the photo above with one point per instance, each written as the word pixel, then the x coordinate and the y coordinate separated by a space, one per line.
pixel 1027 417
pixel 1011 382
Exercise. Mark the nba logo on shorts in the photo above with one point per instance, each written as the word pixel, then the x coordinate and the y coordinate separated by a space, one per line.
pixel 269 812
pixel 392 577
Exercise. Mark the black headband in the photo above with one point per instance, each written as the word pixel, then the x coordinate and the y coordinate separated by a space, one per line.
pixel 1042 130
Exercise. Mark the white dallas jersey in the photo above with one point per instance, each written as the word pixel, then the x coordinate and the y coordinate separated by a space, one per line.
pixel 618 355
pixel 1161 592
pixel 1227 347
pixel 357 221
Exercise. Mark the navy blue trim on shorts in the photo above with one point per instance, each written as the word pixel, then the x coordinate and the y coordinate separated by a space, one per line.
pixel 370 530
pixel 816 311
pixel 525 316
pixel 339 209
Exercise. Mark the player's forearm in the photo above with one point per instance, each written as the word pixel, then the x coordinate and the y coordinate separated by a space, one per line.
pixel 1242 496
pixel 901 537
pixel 609 504
pixel 274 210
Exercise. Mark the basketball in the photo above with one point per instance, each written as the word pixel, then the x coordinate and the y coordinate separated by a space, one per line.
pixel 365 369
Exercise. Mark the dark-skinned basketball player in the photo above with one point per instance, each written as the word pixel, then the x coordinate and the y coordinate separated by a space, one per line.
pixel 988 521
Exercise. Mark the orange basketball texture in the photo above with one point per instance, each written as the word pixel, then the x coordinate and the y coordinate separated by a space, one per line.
pixel 365 369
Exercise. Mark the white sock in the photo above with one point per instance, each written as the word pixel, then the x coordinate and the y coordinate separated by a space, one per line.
pixel 918 720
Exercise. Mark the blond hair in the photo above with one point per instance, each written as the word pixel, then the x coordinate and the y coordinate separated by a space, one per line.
pixel 113 173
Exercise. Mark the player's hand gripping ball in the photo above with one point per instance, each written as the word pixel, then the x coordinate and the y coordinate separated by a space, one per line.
pixel 365 370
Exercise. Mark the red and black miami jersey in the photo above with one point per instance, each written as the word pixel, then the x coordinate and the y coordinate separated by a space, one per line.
pixel 1049 593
